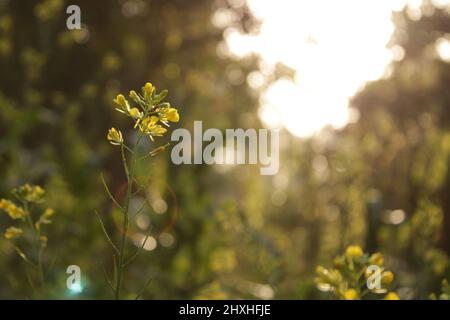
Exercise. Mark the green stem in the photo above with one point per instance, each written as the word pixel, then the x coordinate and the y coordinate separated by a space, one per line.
pixel 130 174
pixel 38 247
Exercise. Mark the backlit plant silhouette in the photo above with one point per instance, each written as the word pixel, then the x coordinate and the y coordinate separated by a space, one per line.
pixel 151 117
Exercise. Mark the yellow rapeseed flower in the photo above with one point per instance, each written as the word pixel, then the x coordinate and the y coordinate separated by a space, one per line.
pixel 387 277
pixel 354 251
pixel 150 116
pixel 351 294
pixel 169 114
pixel 151 127
pixel 49 212
pixel 13 233
pixel 115 136
pixel 391 296
pixel 12 210
pixel 376 259
pixel 44 218
pixel 30 193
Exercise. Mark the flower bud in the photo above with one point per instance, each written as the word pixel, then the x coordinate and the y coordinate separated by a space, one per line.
pixel 134 96
pixel 122 102
pixel 135 113
pixel 350 294
pixel 387 277
pixel 354 251
pixel 148 90
pixel 391 296
pixel 377 259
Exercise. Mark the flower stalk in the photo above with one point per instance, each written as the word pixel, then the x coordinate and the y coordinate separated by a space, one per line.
pixel 151 116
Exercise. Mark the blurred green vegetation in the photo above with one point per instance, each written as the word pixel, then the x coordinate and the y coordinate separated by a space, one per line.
pixel 382 182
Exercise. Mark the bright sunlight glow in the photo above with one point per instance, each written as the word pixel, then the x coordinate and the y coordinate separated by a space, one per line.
pixel 334 46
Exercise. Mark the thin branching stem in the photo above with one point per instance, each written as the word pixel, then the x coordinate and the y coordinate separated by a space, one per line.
pixel 129 171
pixel 106 233
pixel 143 288
pixel 139 250
pixel 38 247
pixel 109 192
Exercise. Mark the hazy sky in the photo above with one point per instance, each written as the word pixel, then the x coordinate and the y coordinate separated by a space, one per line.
pixel 335 46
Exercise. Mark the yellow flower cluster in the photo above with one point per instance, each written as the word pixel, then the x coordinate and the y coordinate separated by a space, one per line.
pixel 27 195
pixel 11 209
pixel 150 114
pixel 348 279
pixel 32 194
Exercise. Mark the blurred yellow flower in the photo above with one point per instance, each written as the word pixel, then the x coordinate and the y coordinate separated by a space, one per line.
pixel 30 193
pixel 44 218
pixel 351 294
pixel 354 251
pixel 391 296
pixel 12 210
pixel 387 277
pixel 376 259
pixel 114 136
pixel 353 270
pixel 13 233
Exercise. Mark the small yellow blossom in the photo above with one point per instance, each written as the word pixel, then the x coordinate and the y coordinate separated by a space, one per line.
pixel 49 212
pixel 12 210
pixel 354 251
pixel 115 137
pixel 169 114
pixel 30 193
pixel 151 127
pixel 350 294
pixel 13 233
pixel 376 259
pixel 391 296
pixel 387 277
pixel 44 218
